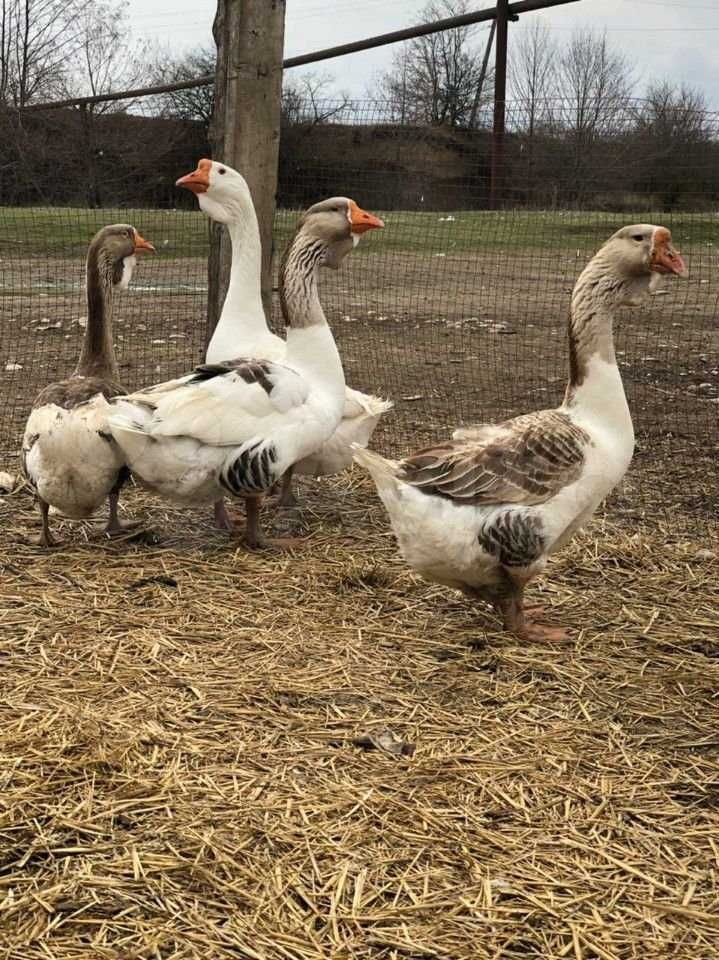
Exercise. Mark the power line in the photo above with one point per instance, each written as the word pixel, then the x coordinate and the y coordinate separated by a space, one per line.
pixel 669 3
pixel 651 29
pixel 321 11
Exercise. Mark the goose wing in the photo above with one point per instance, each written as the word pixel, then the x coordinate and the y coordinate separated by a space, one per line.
pixel 522 461
pixel 223 404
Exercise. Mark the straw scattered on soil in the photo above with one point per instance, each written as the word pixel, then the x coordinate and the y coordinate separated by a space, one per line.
pixel 207 753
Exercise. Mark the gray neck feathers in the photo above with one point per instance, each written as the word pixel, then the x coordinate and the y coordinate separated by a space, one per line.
pixel 597 293
pixel 299 298
pixel 97 357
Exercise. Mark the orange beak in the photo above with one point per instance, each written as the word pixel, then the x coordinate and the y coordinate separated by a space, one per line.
pixel 142 244
pixel 361 221
pixel 664 258
pixel 199 180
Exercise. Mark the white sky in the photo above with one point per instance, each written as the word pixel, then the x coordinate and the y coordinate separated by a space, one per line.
pixel 665 39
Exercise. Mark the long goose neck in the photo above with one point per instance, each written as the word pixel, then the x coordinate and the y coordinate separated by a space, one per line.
pixel 243 302
pixel 593 372
pixel 97 356
pixel 299 295
pixel 310 344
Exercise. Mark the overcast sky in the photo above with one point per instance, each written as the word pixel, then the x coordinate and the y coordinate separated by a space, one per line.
pixel 666 39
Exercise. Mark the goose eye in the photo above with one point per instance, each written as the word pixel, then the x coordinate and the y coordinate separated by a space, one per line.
pixel 222 171
pixel 638 236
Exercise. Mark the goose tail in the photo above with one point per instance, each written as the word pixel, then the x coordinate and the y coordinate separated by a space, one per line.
pixel 382 470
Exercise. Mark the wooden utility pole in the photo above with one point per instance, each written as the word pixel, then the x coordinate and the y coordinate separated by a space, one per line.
pixel 245 130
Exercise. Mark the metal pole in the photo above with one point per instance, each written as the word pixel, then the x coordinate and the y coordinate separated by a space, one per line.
pixel 500 96
pixel 482 75
pixel 481 16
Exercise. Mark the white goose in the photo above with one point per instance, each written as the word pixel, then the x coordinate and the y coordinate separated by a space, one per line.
pixel 242 329
pixel 236 428
pixel 483 511
pixel 68 455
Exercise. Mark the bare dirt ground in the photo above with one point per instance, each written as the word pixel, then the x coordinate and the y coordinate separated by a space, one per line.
pixel 450 339
pixel 208 754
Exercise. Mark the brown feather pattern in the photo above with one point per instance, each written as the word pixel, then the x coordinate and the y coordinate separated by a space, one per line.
pixel 75 391
pixel 538 454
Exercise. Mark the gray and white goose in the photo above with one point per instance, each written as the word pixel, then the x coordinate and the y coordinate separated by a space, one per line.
pixel 236 428
pixel 242 328
pixel 68 455
pixel 483 511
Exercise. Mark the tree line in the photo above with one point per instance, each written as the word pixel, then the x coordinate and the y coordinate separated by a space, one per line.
pixel 580 127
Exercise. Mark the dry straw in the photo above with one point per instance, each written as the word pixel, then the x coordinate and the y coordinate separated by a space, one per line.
pixel 212 754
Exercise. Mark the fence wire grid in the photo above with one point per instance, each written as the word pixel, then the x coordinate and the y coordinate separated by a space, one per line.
pixel 455 311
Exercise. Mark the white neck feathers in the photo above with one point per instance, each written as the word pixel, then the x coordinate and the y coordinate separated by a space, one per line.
pixel 242 321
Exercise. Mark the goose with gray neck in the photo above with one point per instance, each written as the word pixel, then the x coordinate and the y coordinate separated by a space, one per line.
pixel 235 428
pixel 483 512
pixel 242 328
pixel 68 455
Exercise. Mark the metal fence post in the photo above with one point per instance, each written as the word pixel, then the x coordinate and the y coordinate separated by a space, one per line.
pixel 500 96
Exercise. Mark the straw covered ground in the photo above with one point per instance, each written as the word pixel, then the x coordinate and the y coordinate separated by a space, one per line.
pixel 207 753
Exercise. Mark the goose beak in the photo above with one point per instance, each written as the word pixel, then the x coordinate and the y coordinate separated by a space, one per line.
pixel 663 257
pixel 142 244
pixel 361 221
pixel 199 180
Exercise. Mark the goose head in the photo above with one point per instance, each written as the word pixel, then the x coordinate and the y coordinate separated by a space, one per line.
pixel 222 192
pixel 116 246
pixel 337 224
pixel 638 255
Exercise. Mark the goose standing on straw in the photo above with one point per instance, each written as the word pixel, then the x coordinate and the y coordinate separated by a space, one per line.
pixel 235 428
pixel 68 454
pixel 242 329
pixel 483 511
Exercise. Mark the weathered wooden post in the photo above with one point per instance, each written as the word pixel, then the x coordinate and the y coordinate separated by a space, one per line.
pixel 245 131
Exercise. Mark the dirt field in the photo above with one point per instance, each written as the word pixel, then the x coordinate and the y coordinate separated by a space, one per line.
pixel 206 753
pixel 451 339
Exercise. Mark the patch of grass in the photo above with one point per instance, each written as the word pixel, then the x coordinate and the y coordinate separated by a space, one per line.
pixel 65 231
pixel 488 230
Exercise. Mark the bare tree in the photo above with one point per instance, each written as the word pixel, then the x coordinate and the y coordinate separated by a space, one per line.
pixel 434 79
pixel 593 81
pixel 532 83
pixel 38 41
pixel 106 59
pixel 674 114
pixel 311 99
pixel 674 142
pixel 532 73
pixel 393 87
pixel 195 103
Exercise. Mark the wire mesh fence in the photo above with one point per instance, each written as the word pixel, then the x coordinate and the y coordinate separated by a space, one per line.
pixel 455 311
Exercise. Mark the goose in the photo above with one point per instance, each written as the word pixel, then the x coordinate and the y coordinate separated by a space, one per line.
pixel 242 328
pixel 69 457
pixel 236 427
pixel 483 511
